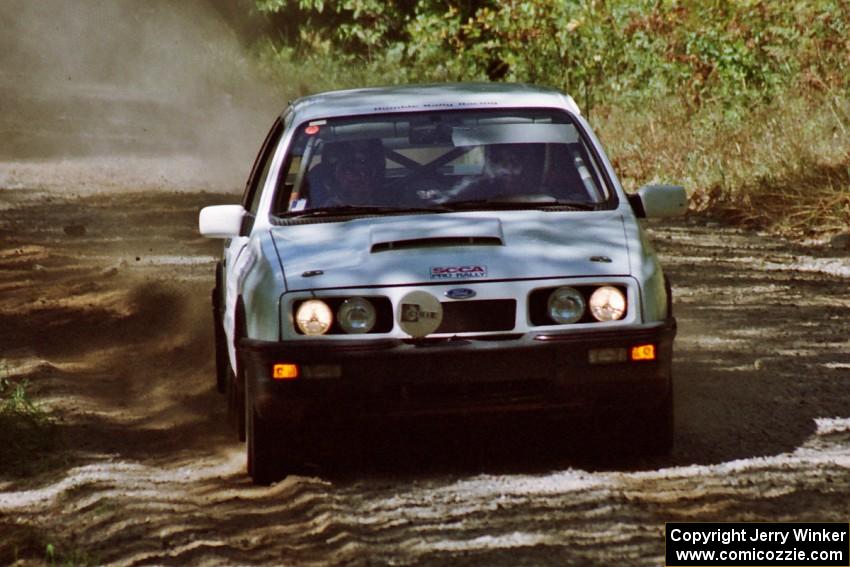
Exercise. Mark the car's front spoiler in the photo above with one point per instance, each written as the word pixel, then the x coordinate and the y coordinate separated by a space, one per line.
pixel 526 373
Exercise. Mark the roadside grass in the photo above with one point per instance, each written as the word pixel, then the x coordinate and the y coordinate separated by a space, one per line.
pixel 29 545
pixel 783 167
pixel 29 444
pixel 29 437
pixel 813 202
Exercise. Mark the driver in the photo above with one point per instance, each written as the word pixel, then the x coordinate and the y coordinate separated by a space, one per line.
pixel 356 173
pixel 509 170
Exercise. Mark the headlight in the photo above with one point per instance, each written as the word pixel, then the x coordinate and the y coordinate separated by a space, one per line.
pixel 314 317
pixel 566 305
pixel 608 304
pixel 356 315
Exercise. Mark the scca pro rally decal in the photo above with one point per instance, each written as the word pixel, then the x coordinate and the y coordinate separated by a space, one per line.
pixel 458 272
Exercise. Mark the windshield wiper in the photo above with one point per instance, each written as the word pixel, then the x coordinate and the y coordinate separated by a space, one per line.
pixel 353 210
pixel 532 202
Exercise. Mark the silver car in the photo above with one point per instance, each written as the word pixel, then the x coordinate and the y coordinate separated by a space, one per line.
pixel 425 251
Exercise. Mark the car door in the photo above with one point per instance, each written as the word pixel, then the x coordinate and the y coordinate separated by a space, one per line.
pixel 236 258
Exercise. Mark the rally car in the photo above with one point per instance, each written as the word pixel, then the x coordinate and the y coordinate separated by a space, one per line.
pixel 424 251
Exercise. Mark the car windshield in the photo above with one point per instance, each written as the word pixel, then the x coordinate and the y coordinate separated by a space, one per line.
pixel 445 160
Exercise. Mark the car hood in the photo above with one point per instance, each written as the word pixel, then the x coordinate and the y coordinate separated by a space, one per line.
pixel 455 247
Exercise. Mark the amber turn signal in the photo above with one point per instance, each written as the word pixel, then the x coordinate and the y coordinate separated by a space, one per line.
pixel 643 352
pixel 285 371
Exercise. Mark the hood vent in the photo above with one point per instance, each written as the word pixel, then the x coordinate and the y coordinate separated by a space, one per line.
pixel 436 232
pixel 437 241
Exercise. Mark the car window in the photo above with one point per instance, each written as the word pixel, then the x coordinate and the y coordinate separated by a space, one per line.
pixel 260 171
pixel 422 160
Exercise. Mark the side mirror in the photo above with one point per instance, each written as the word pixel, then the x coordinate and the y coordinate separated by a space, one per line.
pixel 221 221
pixel 659 201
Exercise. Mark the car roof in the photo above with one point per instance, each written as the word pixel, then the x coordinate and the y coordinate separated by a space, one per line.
pixel 419 98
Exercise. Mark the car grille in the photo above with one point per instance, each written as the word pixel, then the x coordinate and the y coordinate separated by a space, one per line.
pixel 478 316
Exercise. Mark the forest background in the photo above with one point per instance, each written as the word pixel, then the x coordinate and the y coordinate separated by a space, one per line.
pixel 744 102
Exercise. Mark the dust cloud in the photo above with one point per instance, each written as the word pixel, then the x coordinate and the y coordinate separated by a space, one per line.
pixel 128 95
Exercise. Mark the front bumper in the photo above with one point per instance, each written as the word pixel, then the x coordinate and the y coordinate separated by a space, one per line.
pixel 530 373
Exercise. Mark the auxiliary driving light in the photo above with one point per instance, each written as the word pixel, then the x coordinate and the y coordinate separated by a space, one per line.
pixel 607 303
pixel 321 371
pixel 611 355
pixel 356 315
pixel 566 305
pixel 314 317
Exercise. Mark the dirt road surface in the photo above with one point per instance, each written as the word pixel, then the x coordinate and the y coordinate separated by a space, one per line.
pixel 111 327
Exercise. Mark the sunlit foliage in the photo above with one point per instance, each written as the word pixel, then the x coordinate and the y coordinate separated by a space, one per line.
pixel 737 99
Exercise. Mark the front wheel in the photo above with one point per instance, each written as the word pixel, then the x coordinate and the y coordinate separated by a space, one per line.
pixel 222 361
pixel 647 432
pixel 655 430
pixel 235 403
pixel 270 446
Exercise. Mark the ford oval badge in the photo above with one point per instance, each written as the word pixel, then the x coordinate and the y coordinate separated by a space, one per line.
pixel 460 293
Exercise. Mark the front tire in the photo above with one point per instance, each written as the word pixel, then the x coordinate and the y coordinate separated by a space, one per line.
pixel 271 448
pixel 235 404
pixel 645 432
pixel 262 455
pixel 222 360
pixel 655 432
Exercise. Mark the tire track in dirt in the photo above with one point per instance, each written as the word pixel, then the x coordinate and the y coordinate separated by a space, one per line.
pixel 190 514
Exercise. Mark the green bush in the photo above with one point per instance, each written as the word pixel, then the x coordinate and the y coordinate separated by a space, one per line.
pixel 28 435
pixel 736 53
pixel 742 101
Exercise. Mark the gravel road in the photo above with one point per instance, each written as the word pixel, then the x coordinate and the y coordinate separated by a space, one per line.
pixel 110 324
